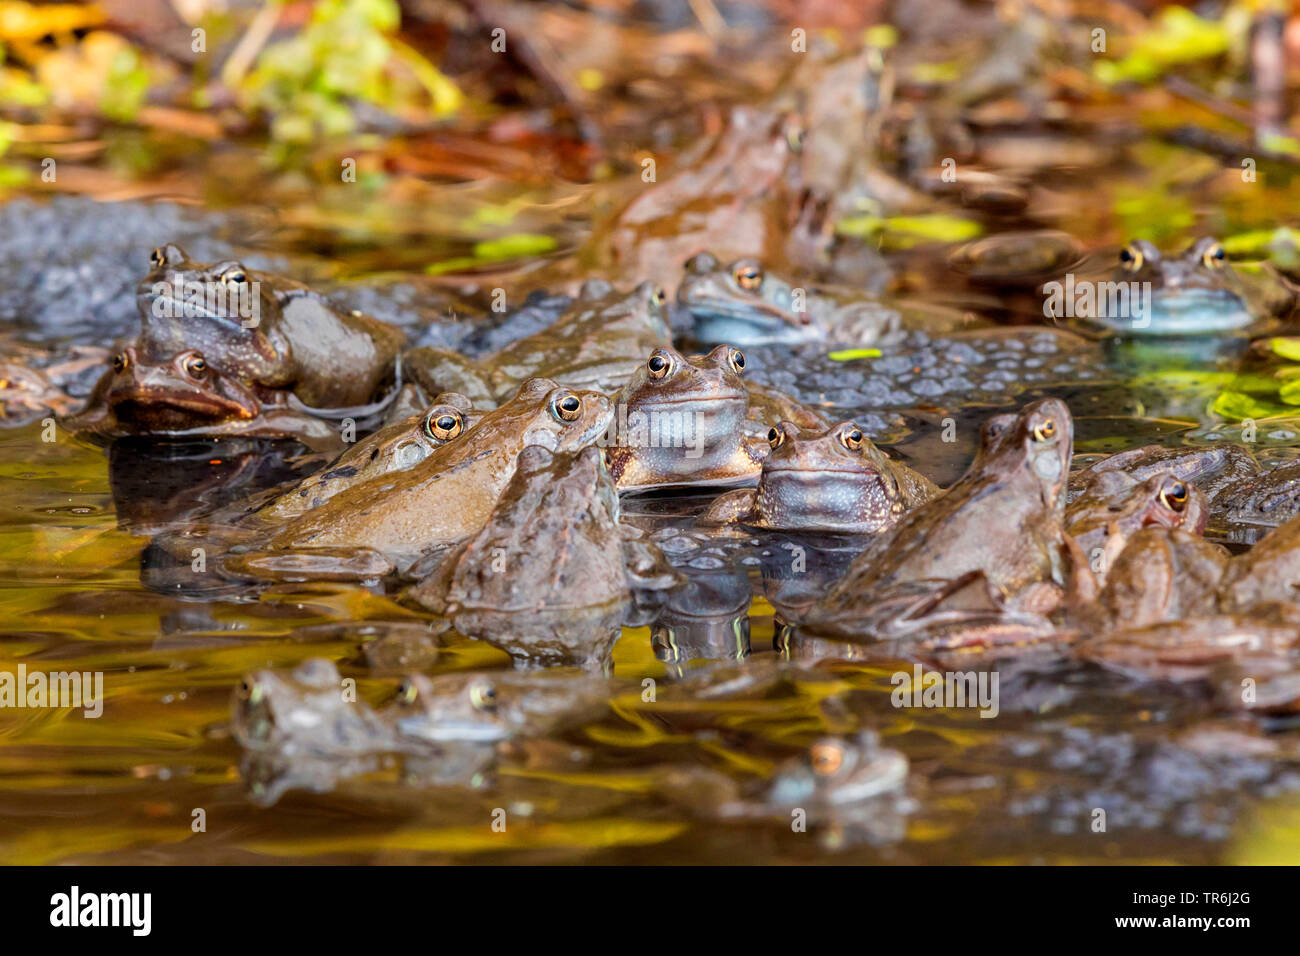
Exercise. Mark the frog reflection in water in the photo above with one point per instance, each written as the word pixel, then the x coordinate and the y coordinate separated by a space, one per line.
pixel 595 345
pixel 1195 293
pixel 835 481
pixel 682 422
pixel 742 304
pixel 306 714
pixel 395 447
pixel 489 708
pixel 1016 483
pixel 548 577
pixel 397 517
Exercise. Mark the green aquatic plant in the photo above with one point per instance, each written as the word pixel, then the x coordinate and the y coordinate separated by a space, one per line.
pixel 347 54
pixel 1177 36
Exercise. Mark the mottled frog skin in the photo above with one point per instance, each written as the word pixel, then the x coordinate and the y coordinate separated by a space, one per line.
pixel 834 481
pixel 395 447
pixel 546 578
pixel 596 344
pixel 294 340
pixel 683 421
pixel 1002 521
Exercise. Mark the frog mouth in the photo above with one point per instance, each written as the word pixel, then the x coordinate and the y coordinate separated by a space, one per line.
pixel 137 401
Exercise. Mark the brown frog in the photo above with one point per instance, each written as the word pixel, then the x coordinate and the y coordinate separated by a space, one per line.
pixel 1001 524
pixel 546 578
pixel 183 395
pixel 264 330
pixel 1115 506
pixel 1269 571
pixel 596 344
pixel 445 498
pixel 1211 467
pixel 395 447
pixel 831 481
pixel 682 421
pixel 1163 574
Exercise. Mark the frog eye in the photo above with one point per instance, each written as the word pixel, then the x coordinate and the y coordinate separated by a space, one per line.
pixel 121 362
pixel 1174 497
pixel 443 425
pixel 795 136
pixel 851 438
pixel 248 691
pixel 659 365
pixel 407 692
pixel 775 437
pixel 235 276
pixel 1046 430
pixel 196 365
pixel 483 695
pixel 736 359
pixel 660 296
pixel 826 757
pixel 158 257
pixel 1131 258
pixel 567 407
pixel 748 275
pixel 1214 257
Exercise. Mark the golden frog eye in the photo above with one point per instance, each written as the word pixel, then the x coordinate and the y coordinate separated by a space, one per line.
pixel 851 438
pixel 1174 496
pixel 827 758
pixel 158 257
pixel 121 362
pixel 659 366
pixel 660 296
pixel 748 276
pixel 483 695
pixel 736 359
pixel 407 692
pixel 775 437
pixel 567 407
pixel 196 365
pixel 443 425
pixel 1045 431
pixel 1131 258
pixel 247 691
pixel 233 277
pixel 1214 257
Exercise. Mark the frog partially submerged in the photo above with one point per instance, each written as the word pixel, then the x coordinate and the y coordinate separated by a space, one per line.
pixel 950 555
pixel 1268 498
pixel 596 344
pixel 1115 506
pixel 395 447
pixel 682 421
pixel 1163 574
pixel 743 304
pixel 1211 467
pixel 266 331
pixel 1194 293
pixel 486 708
pixel 1269 571
pixel 399 516
pixel 183 396
pixel 548 577
pixel 835 481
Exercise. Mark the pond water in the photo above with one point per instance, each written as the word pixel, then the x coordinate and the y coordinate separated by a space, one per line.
pixel 127 787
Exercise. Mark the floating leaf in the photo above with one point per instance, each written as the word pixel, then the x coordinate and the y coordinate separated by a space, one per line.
pixel 845 355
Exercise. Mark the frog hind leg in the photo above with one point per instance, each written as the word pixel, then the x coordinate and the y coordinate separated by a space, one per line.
pixel 731 508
